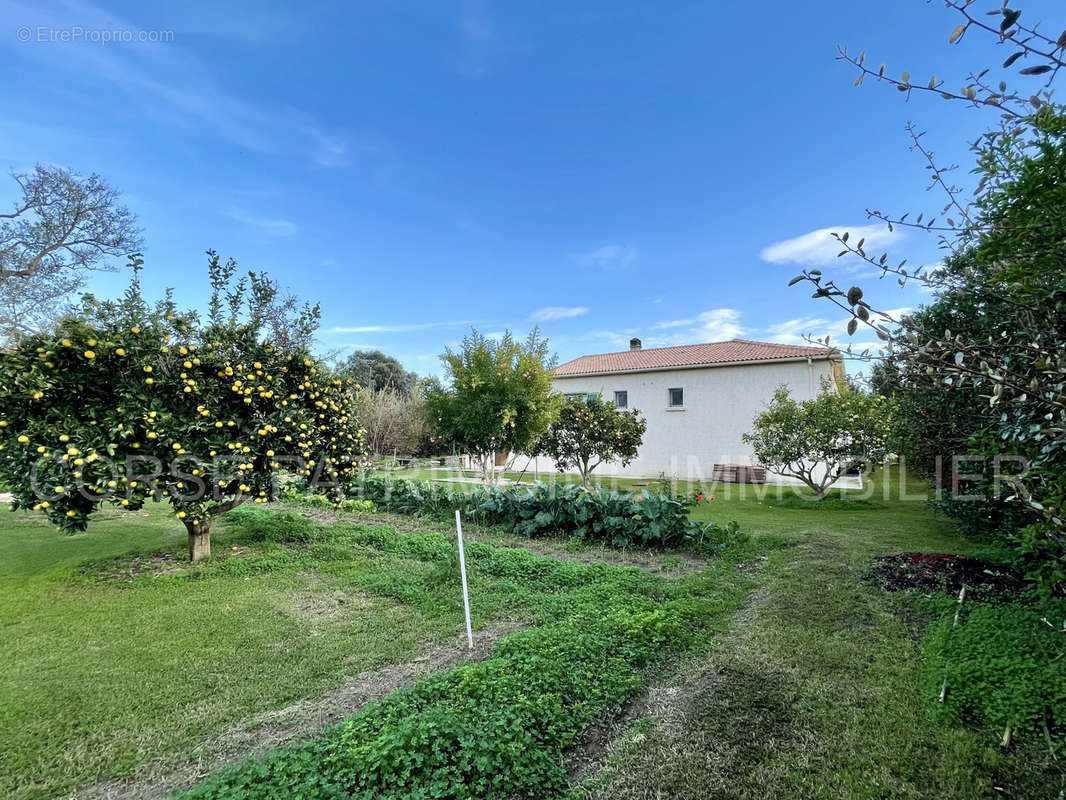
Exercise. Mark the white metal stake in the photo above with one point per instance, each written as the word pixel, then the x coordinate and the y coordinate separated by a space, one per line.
pixel 462 574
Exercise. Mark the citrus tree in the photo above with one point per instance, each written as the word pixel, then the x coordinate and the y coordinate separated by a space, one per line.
pixel 497 397
pixel 589 432
pixel 127 402
pixel 817 440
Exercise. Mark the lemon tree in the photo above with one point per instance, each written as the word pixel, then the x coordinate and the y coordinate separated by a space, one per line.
pixel 818 439
pixel 590 431
pixel 128 402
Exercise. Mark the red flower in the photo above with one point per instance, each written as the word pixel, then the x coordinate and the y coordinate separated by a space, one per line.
pixel 699 498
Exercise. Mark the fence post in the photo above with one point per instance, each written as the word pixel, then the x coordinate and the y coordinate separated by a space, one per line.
pixel 462 574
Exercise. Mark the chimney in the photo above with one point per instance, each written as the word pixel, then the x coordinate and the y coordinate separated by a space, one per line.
pixel 634 344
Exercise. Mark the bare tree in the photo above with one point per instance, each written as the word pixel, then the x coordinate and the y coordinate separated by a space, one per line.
pixel 63 226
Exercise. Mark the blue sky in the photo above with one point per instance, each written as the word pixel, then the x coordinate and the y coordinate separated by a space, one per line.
pixel 602 169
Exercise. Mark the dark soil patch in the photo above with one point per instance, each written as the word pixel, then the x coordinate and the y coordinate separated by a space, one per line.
pixel 940 572
pixel 132 567
pixel 159 564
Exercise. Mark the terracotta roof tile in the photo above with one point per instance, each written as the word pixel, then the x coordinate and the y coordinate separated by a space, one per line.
pixel 689 355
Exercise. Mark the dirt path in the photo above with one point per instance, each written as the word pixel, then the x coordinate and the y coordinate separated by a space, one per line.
pixel 815 691
pixel 663 708
pixel 297 721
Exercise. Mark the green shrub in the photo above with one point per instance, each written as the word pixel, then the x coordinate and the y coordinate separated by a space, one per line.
pixel 1006 664
pixel 251 524
pixel 297 497
pixel 620 519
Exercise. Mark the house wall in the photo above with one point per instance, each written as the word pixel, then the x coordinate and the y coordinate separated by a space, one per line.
pixel 720 403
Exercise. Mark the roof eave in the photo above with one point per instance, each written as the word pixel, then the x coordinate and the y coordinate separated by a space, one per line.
pixel 819 357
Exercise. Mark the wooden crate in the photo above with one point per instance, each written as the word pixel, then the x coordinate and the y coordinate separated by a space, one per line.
pixel 738 473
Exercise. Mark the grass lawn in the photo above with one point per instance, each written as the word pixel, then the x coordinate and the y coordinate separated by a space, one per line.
pixel 105 671
pixel 100 675
pixel 821 689
pixel 804 681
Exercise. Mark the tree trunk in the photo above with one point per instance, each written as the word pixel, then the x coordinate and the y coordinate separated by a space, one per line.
pixel 487 468
pixel 199 541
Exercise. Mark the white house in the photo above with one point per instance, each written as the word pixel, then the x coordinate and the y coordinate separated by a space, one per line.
pixel 698 399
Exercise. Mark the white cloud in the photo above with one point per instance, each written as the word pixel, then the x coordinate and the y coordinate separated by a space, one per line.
pixel 416 326
pixel 672 323
pixel 619 339
pixel 819 248
pixel 714 325
pixel 266 225
pixel 175 88
pixel 610 256
pixel 557 312
pixel 896 313
pixel 795 331
pixel 807 330
pixel 717 325
pixel 482 44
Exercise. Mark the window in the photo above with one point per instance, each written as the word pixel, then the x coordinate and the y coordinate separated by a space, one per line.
pixel 621 399
pixel 676 398
pixel 586 396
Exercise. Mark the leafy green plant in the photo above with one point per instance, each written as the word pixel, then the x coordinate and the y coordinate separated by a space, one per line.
pixel 296 497
pixel 497 728
pixel 981 369
pixel 1005 663
pixel 621 519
